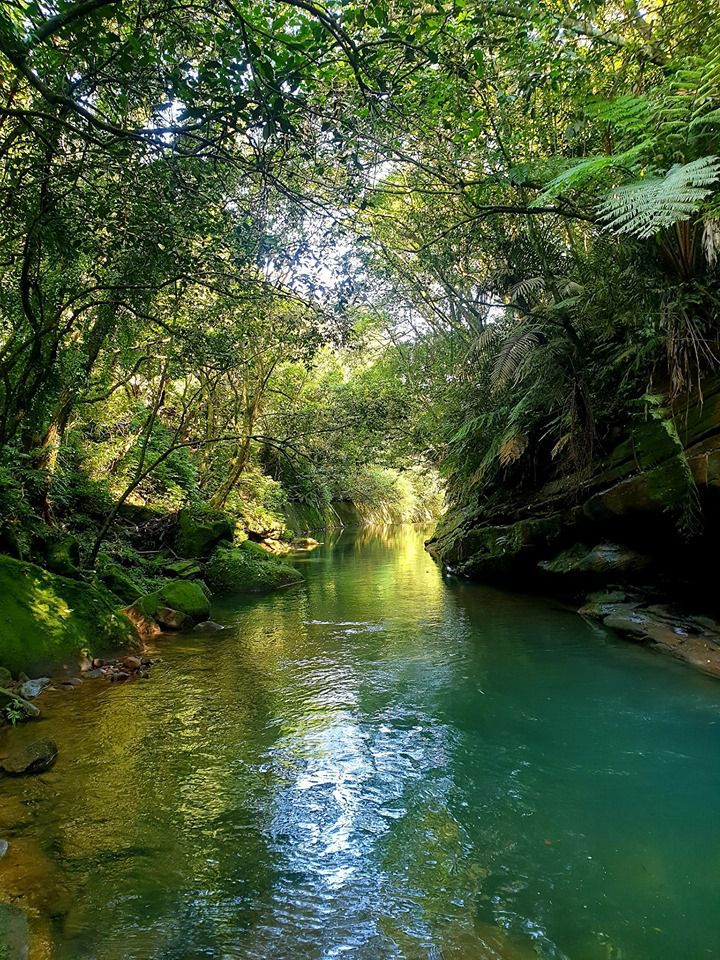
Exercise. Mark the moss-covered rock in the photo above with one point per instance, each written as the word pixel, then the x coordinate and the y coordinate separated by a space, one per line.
pixel 499 551
pixel 63 557
pixel 201 530
pixel 47 619
pixel 183 569
pixel 122 583
pixel 186 596
pixel 248 569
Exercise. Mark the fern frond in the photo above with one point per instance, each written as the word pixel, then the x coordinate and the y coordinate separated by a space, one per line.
pixel 643 208
pixel 513 354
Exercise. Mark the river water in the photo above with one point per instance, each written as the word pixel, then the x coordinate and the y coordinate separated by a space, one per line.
pixel 379 764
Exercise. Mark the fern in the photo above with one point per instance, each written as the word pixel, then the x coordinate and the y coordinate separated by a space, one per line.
pixel 644 208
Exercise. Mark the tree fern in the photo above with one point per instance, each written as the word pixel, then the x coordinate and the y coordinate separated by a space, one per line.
pixel 645 207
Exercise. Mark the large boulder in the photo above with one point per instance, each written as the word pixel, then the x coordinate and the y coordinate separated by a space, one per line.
pixel 201 530
pixel 47 619
pixel 248 569
pixel 184 596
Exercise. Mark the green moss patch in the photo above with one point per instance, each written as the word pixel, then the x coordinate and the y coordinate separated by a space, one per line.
pixel 201 530
pixel 46 619
pixel 187 596
pixel 248 569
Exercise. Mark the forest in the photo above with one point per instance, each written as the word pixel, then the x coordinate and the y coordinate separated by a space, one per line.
pixel 274 268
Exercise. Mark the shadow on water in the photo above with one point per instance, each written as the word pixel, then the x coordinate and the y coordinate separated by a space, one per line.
pixel 377 764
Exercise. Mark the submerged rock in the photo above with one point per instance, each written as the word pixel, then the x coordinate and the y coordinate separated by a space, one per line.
pixel 14 933
pixel 34 757
pixel 695 640
pixel 248 569
pixel 209 625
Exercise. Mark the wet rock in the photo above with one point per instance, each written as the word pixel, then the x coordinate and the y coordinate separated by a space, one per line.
pixel 146 627
pixel 98 662
pixel 601 562
pixel 16 707
pixel 4 845
pixel 209 626
pixel 304 543
pixel 71 682
pixel 35 757
pixel 695 640
pixel 132 663
pixel 119 676
pixel 14 933
pixel 33 688
pixel 97 673
pixel 172 619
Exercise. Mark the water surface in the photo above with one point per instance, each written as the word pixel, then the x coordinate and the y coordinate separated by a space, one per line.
pixel 379 764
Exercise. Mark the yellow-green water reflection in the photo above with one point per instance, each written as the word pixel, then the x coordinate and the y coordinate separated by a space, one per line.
pixel 379 764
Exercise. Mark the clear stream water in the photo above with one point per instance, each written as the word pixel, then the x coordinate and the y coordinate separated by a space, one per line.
pixel 379 764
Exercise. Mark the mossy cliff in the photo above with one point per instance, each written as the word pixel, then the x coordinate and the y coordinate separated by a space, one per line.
pixel 650 512
pixel 48 619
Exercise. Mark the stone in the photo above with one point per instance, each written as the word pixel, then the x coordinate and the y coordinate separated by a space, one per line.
pixel 201 530
pixel 184 569
pixel 3 848
pixel 34 757
pixel 208 625
pixel 248 569
pixel 186 596
pixel 132 663
pixel 304 544
pixel 14 933
pixel 120 582
pixel 16 706
pixel 63 557
pixel 603 561
pixel 145 627
pixel 120 676
pixel 75 615
pixel 95 674
pixel 33 688
pixel 172 619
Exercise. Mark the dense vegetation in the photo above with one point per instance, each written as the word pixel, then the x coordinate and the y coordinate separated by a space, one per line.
pixel 255 254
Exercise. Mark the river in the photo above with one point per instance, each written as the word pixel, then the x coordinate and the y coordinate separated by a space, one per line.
pixel 379 764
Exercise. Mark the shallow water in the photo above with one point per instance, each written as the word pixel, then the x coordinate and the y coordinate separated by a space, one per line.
pixel 379 764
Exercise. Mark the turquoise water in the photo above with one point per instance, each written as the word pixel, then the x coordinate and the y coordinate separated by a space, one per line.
pixel 379 764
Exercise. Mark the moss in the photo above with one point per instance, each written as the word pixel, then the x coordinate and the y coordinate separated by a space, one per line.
pixel 122 583
pixel 63 557
pixel 248 569
pixel 201 530
pixel 187 596
pixel 183 569
pixel 46 619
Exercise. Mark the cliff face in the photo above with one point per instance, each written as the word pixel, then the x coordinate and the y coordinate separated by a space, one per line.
pixel 649 514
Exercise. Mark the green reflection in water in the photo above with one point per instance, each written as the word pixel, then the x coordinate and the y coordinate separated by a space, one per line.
pixel 378 764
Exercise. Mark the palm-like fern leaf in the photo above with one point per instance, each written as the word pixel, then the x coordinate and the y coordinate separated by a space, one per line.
pixel 647 206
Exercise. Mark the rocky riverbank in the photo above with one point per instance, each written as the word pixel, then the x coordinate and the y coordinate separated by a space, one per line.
pixel 642 526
